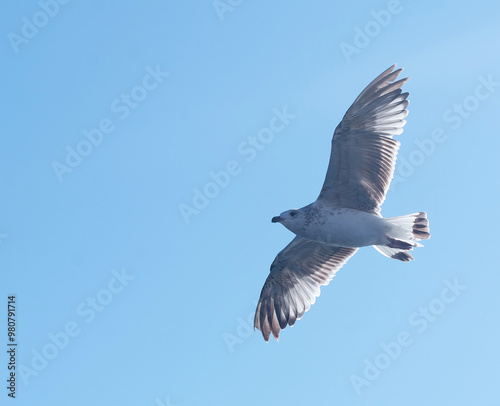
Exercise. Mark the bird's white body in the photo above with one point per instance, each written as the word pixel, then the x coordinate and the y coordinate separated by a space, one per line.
pixel 339 227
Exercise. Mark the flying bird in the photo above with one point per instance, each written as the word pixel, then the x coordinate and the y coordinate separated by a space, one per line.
pixel 346 214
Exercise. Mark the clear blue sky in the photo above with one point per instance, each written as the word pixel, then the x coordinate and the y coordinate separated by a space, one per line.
pixel 117 115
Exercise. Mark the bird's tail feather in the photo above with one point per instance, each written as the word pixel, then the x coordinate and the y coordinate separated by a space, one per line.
pixel 395 253
pixel 404 234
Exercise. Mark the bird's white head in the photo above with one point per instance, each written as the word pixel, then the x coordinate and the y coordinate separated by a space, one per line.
pixel 287 217
pixel 296 220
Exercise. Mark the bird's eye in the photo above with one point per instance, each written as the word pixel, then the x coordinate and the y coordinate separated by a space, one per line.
pixel 293 213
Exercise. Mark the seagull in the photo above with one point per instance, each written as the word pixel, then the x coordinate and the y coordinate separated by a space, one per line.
pixel 346 214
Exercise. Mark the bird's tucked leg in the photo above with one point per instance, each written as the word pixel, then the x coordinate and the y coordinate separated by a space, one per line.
pixel 402 245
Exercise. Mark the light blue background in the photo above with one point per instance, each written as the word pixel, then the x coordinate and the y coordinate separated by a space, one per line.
pixel 167 333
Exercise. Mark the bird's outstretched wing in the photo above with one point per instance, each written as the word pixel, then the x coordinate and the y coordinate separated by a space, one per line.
pixel 363 153
pixel 294 282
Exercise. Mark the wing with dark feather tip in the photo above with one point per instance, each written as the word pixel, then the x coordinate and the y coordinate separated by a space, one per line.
pixel 294 283
pixel 363 153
